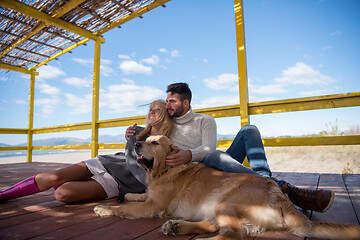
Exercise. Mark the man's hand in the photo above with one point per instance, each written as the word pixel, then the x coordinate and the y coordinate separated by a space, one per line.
pixel 130 131
pixel 182 157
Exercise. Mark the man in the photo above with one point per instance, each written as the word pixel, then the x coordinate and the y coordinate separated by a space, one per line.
pixel 195 137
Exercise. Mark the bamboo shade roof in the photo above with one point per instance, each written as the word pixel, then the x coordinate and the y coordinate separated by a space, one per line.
pixel 25 41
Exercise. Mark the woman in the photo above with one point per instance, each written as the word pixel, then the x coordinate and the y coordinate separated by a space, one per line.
pixel 105 176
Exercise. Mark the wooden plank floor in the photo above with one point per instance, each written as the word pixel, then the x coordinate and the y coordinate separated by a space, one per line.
pixel 40 216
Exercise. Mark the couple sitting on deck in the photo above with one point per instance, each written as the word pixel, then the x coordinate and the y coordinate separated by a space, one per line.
pixel 194 135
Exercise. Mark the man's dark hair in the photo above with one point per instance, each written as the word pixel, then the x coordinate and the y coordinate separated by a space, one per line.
pixel 182 89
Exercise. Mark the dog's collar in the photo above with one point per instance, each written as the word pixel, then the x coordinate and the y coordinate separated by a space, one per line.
pixel 164 172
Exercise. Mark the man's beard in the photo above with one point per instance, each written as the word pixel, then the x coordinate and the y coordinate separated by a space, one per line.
pixel 177 113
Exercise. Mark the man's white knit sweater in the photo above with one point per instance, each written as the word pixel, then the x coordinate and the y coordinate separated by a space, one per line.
pixel 195 132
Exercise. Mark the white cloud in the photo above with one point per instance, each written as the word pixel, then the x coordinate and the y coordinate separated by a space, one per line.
pixel 153 60
pixel 336 33
pixel 302 74
pixel 316 92
pixel 118 99
pixel 47 105
pixel 128 81
pixel 253 99
pixel 123 56
pixel 217 101
pixel 50 72
pixel 84 61
pixel 132 67
pixel 105 69
pixel 46 88
pixel 175 53
pixel 127 97
pixel 78 82
pixel 162 50
pixel 227 81
pixel 328 47
pixel 105 61
pixel 266 89
pixel 79 105
pixel 20 101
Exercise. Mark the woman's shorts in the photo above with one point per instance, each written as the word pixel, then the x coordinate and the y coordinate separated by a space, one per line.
pixel 101 176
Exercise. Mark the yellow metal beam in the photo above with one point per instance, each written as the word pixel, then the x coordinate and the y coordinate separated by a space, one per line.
pixel 95 102
pixel 63 128
pixel 309 103
pixel 62 147
pixel 31 118
pixel 219 112
pixel 17 69
pixel 122 122
pixel 302 141
pixel 112 146
pixel 35 13
pixel 296 104
pixel 312 141
pixel 288 105
pixel 241 59
pixel 12 148
pixel 13 131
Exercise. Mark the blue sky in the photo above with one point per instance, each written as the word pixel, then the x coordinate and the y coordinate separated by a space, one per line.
pixel 294 49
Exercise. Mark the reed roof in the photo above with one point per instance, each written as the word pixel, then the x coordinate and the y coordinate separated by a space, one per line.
pixel 25 41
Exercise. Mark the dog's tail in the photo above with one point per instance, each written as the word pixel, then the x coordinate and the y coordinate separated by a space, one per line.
pixel 328 230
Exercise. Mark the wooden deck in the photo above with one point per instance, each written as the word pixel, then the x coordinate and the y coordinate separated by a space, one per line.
pixel 40 216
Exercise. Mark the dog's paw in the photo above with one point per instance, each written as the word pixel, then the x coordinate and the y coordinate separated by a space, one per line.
pixel 171 227
pixel 102 210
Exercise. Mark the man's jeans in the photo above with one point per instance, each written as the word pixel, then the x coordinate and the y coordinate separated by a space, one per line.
pixel 246 143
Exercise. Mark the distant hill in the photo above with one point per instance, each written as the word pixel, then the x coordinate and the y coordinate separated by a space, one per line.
pixel 59 141
pixel 4 145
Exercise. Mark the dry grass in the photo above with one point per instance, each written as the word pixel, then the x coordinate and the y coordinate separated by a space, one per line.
pixel 315 159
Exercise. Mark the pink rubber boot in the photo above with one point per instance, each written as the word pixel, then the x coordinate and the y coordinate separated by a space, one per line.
pixel 21 189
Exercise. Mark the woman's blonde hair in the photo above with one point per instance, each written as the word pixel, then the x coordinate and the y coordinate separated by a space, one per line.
pixel 164 119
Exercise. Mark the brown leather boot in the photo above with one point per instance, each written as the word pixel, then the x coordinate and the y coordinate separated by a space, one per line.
pixel 316 200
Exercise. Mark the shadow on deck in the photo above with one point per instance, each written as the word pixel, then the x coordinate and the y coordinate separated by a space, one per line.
pixel 40 216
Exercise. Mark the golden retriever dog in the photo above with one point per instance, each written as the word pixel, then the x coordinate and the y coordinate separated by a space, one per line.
pixel 205 200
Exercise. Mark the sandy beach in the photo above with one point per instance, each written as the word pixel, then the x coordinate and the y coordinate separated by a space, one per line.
pixel 318 159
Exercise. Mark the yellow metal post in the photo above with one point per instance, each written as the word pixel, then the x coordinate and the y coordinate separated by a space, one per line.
pixel 241 57
pixel 31 119
pixel 95 103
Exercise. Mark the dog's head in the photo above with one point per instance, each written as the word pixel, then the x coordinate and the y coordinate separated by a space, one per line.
pixel 152 154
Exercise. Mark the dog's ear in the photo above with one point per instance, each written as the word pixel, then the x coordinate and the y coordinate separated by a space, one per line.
pixel 173 149
pixel 159 164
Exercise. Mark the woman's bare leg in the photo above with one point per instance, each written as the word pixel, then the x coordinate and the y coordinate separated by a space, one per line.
pixel 80 191
pixel 76 172
pixel 75 184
